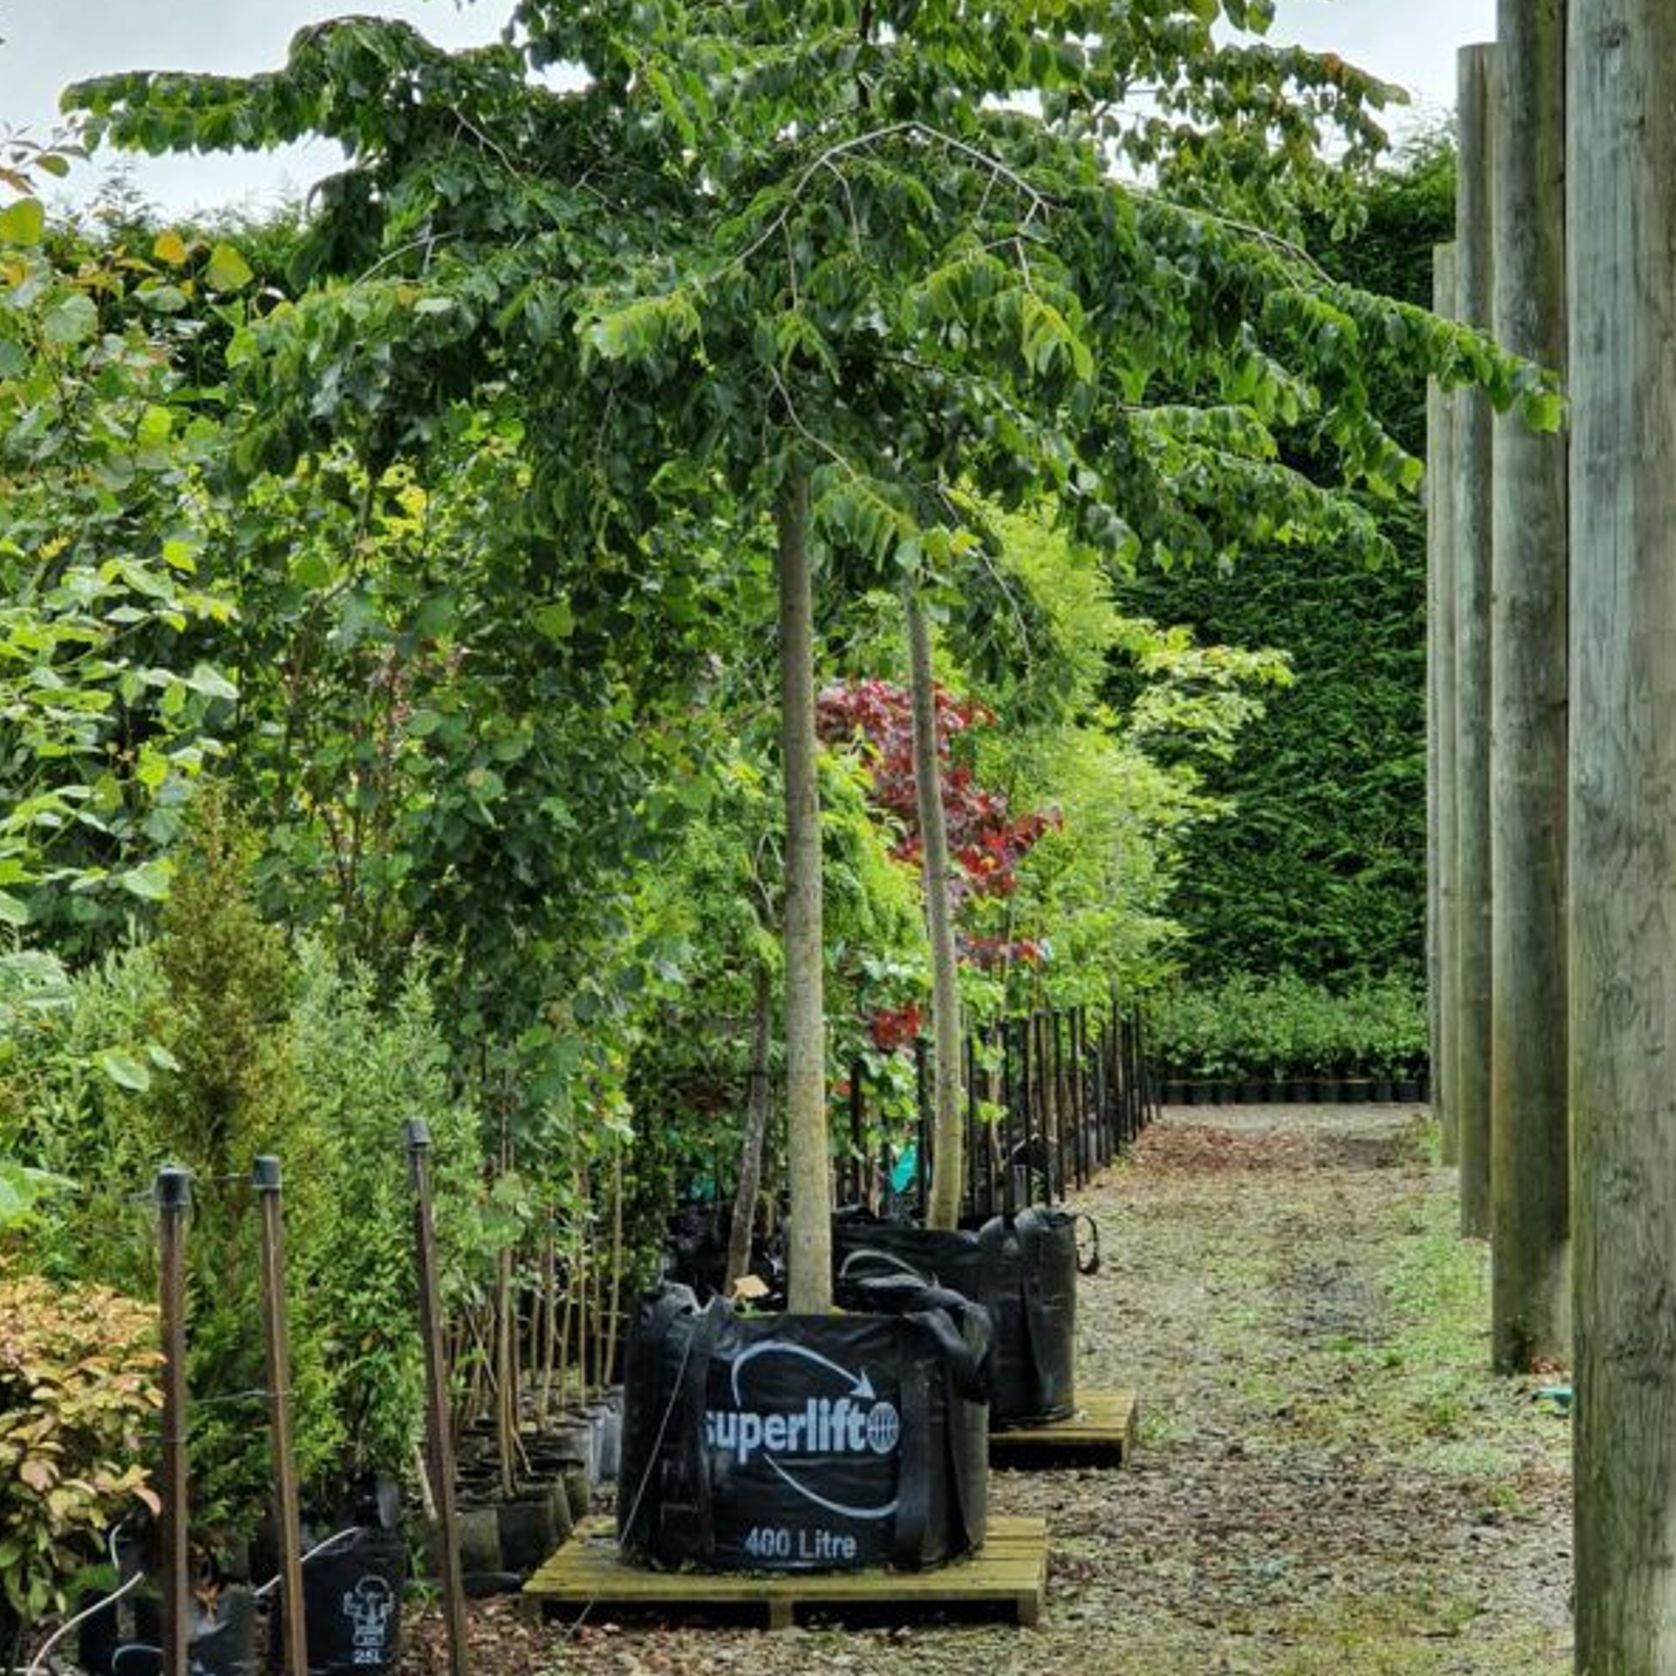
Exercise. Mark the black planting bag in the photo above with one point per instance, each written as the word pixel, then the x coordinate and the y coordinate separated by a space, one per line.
pixel 803 1443
pixel 1022 1269
pixel 352 1604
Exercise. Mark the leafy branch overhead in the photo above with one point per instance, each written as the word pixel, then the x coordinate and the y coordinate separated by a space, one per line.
pixel 904 244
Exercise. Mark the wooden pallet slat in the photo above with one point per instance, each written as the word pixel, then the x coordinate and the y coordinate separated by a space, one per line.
pixel 1101 1429
pixel 1010 1572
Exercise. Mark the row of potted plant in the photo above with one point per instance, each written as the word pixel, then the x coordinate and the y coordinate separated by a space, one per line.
pixel 1283 1038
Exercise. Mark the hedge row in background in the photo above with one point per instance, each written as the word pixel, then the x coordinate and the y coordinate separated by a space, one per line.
pixel 1250 1028
pixel 1321 867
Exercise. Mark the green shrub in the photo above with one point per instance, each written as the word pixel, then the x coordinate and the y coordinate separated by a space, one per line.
pixel 1248 1027
pixel 78 1382
pixel 363 1070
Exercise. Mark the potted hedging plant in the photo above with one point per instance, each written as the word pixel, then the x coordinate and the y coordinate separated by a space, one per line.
pixel 364 1068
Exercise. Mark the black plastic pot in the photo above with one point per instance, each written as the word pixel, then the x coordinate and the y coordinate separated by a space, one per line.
pixel 126 1637
pixel 1356 1091
pixel 1411 1091
pixel 1384 1091
pixel 479 1525
pixel 352 1605
pixel 1176 1093
pixel 803 1443
pixel 1021 1269
pixel 1328 1091
pixel 527 1535
pixel 1274 1091
pixel 1299 1091
pixel 1251 1092
pixel 1201 1093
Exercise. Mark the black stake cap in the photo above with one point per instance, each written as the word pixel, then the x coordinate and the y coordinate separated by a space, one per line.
pixel 174 1188
pixel 264 1174
pixel 418 1134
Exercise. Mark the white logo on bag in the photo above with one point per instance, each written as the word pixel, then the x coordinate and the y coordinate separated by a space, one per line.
pixel 368 1607
pixel 857 1423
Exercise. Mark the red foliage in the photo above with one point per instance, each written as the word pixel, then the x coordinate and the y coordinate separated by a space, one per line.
pixel 987 841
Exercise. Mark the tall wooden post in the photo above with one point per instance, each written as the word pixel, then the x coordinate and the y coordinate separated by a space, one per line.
pixel 1621 164
pixel 1473 468
pixel 1529 1136
pixel 265 1178
pixel 1442 828
pixel 439 1438
pixel 174 1202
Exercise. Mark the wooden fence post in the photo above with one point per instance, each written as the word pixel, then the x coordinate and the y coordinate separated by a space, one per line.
pixel 1474 466
pixel 1529 1130
pixel 1621 163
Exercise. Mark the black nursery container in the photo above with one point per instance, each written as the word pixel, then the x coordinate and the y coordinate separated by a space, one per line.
pixel 803 1443
pixel 125 1638
pixel 352 1604
pixel 1022 1269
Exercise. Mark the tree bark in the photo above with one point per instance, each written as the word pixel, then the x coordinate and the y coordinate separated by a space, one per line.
pixel 1529 1135
pixel 809 1242
pixel 1442 840
pixel 948 1134
pixel 756 1126
pixel 1622 258
pixel 1474 466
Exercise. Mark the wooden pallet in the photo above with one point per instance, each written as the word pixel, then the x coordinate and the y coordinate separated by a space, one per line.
pixel 1102 1431
pixel 1010 1573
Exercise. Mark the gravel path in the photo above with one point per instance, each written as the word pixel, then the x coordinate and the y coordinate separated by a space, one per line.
pixel 1327 1480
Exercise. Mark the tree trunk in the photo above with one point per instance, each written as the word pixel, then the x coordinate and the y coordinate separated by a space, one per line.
pixel 1622 257
pixel 948 1096
pixel 1474 466
pixel 1443 838
pixel 614 1298
pixel 1529 1137
pixel 809 1244
pixel 756 1126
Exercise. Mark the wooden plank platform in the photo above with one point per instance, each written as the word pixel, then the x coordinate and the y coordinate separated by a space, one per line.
pixel 1010 1573
pixel 1102 1431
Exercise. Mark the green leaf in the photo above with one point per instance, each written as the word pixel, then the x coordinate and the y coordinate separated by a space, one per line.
pixel 228 270
pixel 170 247
pixel 72 319
pixel 24 222
pixel 123 1069
pixel 13 910
pixel 150 882
pixel 556 621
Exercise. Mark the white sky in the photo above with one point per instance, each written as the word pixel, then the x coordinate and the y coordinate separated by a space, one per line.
pixel 45 44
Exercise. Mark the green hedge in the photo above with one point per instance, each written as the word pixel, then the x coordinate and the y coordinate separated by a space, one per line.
pixel 1321 867
pixel 1251 1028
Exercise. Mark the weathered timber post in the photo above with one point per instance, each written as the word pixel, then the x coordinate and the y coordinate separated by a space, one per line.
pixel 1442 834
pixel 174 1202
pixel 1529 1139
pixel 1473 467
pixel 265 1178
pixel 1621 163
pixel 439 1435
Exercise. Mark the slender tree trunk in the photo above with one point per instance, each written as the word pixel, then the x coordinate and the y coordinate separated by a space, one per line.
pixel 1529 1133
pixel 948 1133
pixel 1443 838
pixel 614 1298
pixel 1474 466
pixel 1622 258
pixel 810 1243
pixel 756 1126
